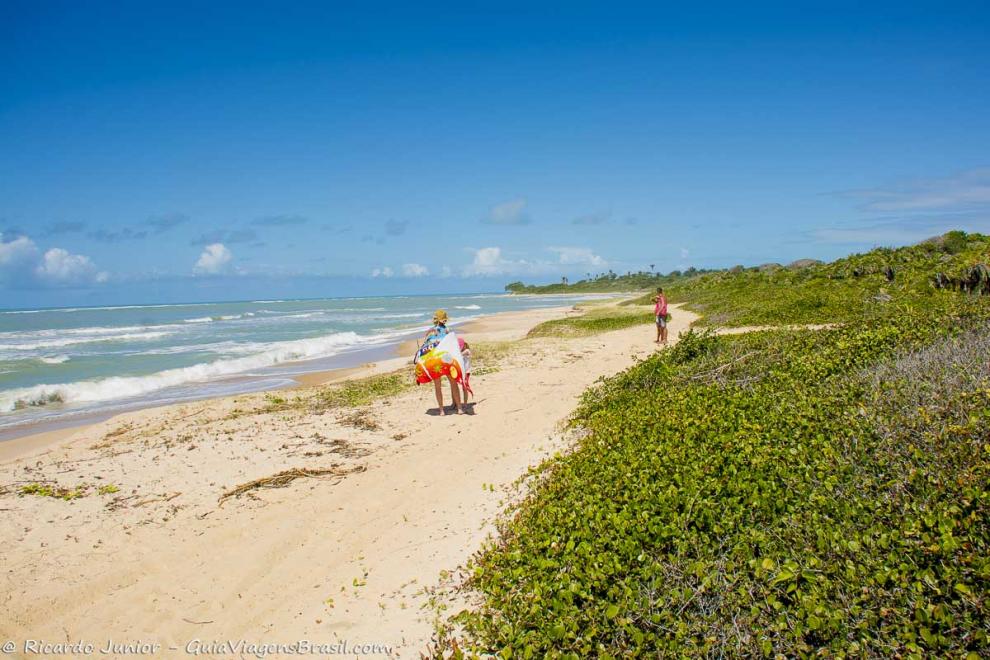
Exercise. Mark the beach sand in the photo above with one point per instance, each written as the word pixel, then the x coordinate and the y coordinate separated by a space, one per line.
pixel 351 554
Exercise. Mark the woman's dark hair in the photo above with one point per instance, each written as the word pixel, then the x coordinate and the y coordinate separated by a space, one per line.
pixel 659 289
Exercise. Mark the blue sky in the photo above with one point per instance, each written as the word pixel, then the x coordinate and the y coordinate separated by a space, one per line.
pixel 203 151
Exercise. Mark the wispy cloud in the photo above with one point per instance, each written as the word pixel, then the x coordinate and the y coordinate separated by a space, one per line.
pixel 902 230
pixel 117 235
pixel 153 226
pixel 911 211
pixel 490 261
pixel 512 212
pixel 226 236
pixel 963 191
pixel 396 227
pixel 577 256
pixel 384 271
pixel 280 220
pixel 599 218
pixel 165 222
pixel 60 228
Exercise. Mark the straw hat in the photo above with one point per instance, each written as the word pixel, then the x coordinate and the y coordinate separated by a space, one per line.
pixel 439 316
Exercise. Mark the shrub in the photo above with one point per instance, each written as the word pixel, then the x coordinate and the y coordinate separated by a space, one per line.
pixel 782 492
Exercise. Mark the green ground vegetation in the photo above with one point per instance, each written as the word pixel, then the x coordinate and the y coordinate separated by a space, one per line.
pixel 63 493
pixel 777 493
pixel 362 391
pixel 594 320
pixel 846 289
pixel 347 394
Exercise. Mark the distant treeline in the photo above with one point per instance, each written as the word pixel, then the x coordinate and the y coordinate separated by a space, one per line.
pixel 606 282
pixel 954 261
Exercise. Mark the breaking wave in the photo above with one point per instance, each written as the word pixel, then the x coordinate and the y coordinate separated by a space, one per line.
pixel 70 341
pixel 121 387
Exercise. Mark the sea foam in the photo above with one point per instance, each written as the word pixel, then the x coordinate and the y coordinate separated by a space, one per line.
pixel 121 387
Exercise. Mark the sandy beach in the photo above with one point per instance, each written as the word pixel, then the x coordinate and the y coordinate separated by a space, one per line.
pixel 379 502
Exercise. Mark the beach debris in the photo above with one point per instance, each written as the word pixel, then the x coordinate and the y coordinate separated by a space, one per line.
pixel 110 436
pixel 345 448
pixel 284 478
pixel 361 419
pixel 156 498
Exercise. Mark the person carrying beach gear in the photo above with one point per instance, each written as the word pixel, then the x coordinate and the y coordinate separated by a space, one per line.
pixel 440 356
pixel 661 314
pixel 466 354
pixel 433 336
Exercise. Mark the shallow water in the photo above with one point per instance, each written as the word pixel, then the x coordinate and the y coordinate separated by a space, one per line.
pixel 57 365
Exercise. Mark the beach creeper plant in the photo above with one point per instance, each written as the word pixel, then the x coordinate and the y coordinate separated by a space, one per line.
pixel 779 493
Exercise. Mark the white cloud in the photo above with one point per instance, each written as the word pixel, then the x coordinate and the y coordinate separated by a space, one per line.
pixel 385 271
pixel 512 212
pixel 62 267
pixel 685 253
pixel 18 253
pixel 574 256
pixel 967 190
pixel 490 261
pixel 487 261
pixel 214 260
pixel 445 271
pixel 414 270
pixel 21 262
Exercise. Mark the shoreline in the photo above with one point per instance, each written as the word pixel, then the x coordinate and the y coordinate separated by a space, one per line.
pixel 501 325
pixel 177 534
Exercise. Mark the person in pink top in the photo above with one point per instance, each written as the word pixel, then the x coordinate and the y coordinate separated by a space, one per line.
pixel 660 312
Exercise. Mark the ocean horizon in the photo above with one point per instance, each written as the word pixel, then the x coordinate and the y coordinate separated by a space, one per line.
pixel 66 365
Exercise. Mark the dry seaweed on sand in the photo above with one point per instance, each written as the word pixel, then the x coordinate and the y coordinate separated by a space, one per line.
pixel 284 478
pixel 361 419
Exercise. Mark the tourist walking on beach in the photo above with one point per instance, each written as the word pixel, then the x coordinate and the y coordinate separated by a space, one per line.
pixel 660 312
pixel 432 338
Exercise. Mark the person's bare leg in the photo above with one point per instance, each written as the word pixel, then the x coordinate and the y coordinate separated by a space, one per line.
pixel 439 393
pixel 455 394
pixel 659 334
pixel 663 334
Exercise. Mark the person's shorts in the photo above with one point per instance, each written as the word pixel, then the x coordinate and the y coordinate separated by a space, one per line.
pixel 661 321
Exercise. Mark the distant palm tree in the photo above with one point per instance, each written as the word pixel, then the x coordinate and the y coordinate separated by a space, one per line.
pixel 652 266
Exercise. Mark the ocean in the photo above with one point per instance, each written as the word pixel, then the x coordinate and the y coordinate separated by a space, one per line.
pixel 64 366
